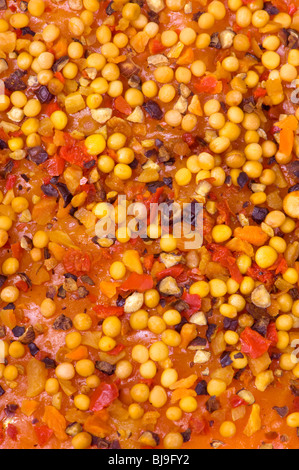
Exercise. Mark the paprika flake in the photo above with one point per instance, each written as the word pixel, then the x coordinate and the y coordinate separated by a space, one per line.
pixel 103 396
pixel 253 344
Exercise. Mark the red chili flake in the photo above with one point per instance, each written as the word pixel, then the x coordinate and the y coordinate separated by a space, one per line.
pixel 103 396
pixel 262 275
pixel 292 9
pixel 253 344
pixel 137 282
pixel 10 182
pixel 12 431
pixel 59 76
pixel 280 266
pixel 236 401
pixel 122 106
pixel 3 135
pixel 189 139
pixel 207 84
pixel 17 250
pixel 259 93
pixel 199 425
pixel 194 302
pixel 148 262
pixel 296 404
pixel 43 434
pixel 74 152
pixel 264 76
pixel 51 107
pixel 22 285
pixel 54 166
pixel 174 271
pixel 76 262
pixel 272 334
pixel 224 256
pixel 103 311
pixel 155 46
pixel 115 351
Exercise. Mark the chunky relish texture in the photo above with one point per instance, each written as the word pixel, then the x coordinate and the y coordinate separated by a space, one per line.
pixel 143 342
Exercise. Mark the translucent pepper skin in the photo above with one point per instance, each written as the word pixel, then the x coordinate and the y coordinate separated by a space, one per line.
pixel 253 344
pixel 103 396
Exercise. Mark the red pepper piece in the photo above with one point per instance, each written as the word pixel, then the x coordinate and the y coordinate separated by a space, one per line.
pixel 12 431
pixel 10 182
pixel 122 106
pixel 199 425
pixel 103 395
pixel 22 285
pixel 74 151
pixel 253 344
pixel 43 434
pixel 236 401
pixel 272 334
pixel 155 46
pixel 262 275
pixel 292 9
pixel 76 262
pixel 115 351
pixel 51 107
pixel 259 93
pixel 103 312
pixel 193 300
pixel 137 282
pixel 280 266
pixel 207 84
pixel 222 255
pixel 54 166
pixel 17 250
pixel 148 262
pixel 296 404
pixel 174 271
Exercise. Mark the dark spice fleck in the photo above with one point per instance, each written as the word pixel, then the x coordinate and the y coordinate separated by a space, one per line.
pixel 60 63
pixel 3 279
pixel 18 331
pixel 201 388
pixel 105 367
pixel 282 411
pixel 27 30
pixel 49 190
pixel 65 193
pixel 10 410
pixel 14 82
pixel 62 323
pixel 225 359
pixel 153 109
pixel 43 94
pixel 242 179
pixel 212 404
pixel 186 435
pixel 49 363
pixel 37 155
pixel 33 349
pixel 259 214
pixel 3 145
pixel 210 331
